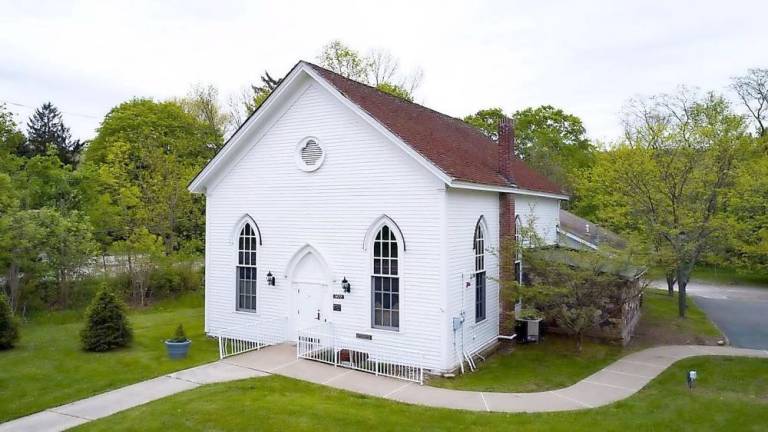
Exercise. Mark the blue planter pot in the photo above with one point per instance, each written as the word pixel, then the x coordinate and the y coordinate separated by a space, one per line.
pixel 177 350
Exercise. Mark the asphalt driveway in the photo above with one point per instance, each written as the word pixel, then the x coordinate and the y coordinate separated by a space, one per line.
pixel 741 312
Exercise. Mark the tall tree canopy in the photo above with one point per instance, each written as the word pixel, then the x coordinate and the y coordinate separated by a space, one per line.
pixel 548 139
pixel 752 89
pixel 202 102
pixel 669 179
pixel 137 169
pixel 44 240
pixel 46 132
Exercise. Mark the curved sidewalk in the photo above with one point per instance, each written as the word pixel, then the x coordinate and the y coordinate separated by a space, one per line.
pixel 617 381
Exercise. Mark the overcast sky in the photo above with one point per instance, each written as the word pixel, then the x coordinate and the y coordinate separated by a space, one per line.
pixel 587 57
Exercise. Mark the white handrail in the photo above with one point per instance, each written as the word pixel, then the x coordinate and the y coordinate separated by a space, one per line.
pixel 320 343
pixel 250 336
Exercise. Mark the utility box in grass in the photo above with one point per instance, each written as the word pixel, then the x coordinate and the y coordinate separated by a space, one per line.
pixel 528 330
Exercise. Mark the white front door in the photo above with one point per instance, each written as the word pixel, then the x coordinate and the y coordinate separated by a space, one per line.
pixel 311 304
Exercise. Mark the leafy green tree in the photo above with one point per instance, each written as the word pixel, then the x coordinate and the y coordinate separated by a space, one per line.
pixel 260 93
pixel 22 241
pixel 752 89
pixel 747 214
pixel 11 138
pixel 395 90
pixel 46 132
pixel 106 324
pixel 69 248
pixel 345 61
pixel 554 142
pixel 137 168
pixel 9 327
pixel 487 120
pixel 547 138
pixel 671 177
pixel 202 102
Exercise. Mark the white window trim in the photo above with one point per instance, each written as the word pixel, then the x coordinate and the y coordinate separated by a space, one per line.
pixel 480 226
pixel 394 229
pixel 247 220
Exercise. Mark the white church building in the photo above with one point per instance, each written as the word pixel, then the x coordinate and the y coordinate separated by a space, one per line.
pixel 362 228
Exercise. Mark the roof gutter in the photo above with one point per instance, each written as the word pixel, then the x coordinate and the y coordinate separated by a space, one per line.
pixel 460 184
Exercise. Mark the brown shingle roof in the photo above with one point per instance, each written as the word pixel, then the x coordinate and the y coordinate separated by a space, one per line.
pixel 458 149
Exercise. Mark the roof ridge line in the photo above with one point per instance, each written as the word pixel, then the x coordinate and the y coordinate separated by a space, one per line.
pixel 401 100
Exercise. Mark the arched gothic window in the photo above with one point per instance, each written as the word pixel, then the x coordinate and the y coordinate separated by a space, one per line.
pixel 480 291
pixel 385 281
pixel 246 271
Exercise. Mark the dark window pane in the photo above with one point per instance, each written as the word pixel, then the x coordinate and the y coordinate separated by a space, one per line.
pixel 385 266
pixel 376 266
pixel 394 250
pixel 393 267
pixel 377 317
pixel 395 284
pixel 396 319
pixel 385 250
pixel 376 249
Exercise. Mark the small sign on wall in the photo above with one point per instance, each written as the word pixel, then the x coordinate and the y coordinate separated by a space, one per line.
pixel 336 307
pixel 338 296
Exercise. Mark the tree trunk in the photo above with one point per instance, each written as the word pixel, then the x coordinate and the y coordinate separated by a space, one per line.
pixel 683 274
pixel 13 285
pixel 579 341
pixel 671 282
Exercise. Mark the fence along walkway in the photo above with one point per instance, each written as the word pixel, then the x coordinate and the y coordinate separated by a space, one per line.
pixel 321 344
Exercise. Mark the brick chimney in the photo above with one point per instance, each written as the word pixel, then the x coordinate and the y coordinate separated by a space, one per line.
pixel 506 216
pixel 506 140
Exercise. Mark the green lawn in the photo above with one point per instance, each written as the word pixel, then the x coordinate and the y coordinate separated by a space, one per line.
pixel 47 368
pixel 555 363
pixel 720 275
pixel 729 276
pixel 660 324
pixel 732 394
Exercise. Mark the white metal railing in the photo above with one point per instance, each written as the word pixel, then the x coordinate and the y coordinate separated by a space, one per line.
pixel 250 336
pixel 321 344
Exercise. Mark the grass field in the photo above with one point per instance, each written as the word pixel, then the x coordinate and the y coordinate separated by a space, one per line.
pixel 48 368
pixel 732 394
pixel 729 276
pixel 555 363
pixel 720 275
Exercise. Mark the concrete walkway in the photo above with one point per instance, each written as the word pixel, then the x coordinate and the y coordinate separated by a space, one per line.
pixel 619 380
pixel 76 413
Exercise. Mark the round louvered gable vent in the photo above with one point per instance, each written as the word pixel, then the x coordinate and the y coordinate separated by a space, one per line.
pixel 310 154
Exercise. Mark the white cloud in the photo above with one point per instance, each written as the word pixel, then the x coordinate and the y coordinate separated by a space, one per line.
pixel 587 57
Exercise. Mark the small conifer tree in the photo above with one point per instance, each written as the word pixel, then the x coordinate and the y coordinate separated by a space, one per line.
pixel 9 327
pixel 180 336
pixel 107 325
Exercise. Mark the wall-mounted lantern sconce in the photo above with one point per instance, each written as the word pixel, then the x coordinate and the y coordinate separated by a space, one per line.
pixel 270 278
pixel 345 285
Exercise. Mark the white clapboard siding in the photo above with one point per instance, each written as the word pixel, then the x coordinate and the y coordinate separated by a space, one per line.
pixel 542 213
pixel 363 176
pixel 465 207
